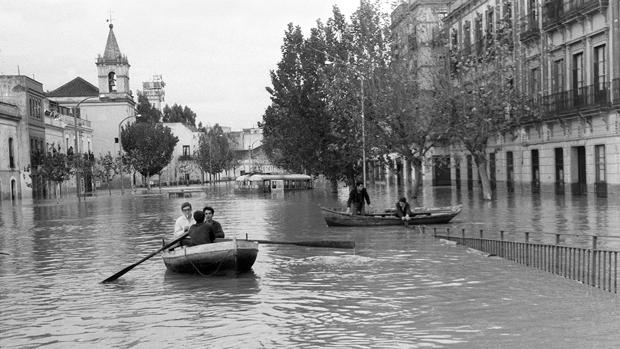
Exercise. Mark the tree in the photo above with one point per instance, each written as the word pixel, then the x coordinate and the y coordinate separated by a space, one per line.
pixel 213 152
pixel 106 168
pixel 313 124
pixel 478 99
pixel 147 112
pixel 57 168
pixel 178 113
pixel 149 147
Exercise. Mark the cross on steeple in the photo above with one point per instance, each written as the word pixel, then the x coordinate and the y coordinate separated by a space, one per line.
pixel 109 20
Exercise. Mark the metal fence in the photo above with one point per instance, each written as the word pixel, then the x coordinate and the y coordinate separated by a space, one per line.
pixel 590 266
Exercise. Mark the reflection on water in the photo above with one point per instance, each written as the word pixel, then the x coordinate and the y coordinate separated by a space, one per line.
pixel 398 288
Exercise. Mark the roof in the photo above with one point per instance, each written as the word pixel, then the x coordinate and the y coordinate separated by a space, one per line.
pixel 112 52
pixel 77 87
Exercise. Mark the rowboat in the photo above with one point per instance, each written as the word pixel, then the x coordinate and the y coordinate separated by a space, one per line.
pixel 221 257
pixel 336 217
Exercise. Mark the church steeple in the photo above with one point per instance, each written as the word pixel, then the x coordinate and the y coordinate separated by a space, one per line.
pixel 113 70
pixel 112 52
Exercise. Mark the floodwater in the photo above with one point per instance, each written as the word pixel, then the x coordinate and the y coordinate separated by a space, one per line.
pixel 399 288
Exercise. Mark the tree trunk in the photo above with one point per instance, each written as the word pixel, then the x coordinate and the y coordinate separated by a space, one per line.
pixel 107 182
pixel 334 185
pixel 481 162
pixel 417 181
pixel 148 181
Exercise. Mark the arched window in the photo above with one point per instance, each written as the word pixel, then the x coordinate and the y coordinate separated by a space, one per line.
pixel 112 81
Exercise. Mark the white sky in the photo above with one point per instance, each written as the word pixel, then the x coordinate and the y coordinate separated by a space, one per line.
pixel 214 56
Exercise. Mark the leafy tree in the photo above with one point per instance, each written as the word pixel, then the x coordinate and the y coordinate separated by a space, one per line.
pixel 149 147
pixel 57 168
pixel 106 167
pixel 477 99
pixel 213 153
pixel 147 112
pixel 313 124
pixel 178 113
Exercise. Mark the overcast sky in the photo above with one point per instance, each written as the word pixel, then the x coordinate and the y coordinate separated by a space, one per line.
pixel 214 56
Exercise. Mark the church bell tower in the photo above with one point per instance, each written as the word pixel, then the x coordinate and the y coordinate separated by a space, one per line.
pixel 113 71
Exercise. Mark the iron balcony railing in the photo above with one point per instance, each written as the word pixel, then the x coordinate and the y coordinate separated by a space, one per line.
pixel 616 91
pixel 529 27
pixel 587 96
pixel 557 11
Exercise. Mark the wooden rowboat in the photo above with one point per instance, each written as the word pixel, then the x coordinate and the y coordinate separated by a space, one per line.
pixel 435 215
pixel 221 257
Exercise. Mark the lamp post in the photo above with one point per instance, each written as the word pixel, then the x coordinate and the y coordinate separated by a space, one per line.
pixel 76 151
pixel 120 149
pixel 251 148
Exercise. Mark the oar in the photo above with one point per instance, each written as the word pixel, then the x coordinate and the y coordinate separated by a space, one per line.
pixel 122 272
pixel 317 243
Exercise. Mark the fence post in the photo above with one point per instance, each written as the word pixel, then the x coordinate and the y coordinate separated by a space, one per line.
pixel 501 248
pixel 593 264
pixel 556 249
pixel 481 249
pixel 463 236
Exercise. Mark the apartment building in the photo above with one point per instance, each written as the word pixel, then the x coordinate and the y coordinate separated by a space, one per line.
pixel 568 57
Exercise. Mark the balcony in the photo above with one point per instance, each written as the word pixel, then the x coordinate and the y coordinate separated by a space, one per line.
pixel 616 91
pixel 563 11
pixel 572 100
pixel 69 121
pixel 529 28
pixel 186 158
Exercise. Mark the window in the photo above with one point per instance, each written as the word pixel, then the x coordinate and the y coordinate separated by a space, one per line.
pixel 11 154
pixel 186 150
pixel 534 81
pixel 111 82
pixel 558 76
pixel 599 162
pixel 35 107
pixel 578 71
pixel 599 68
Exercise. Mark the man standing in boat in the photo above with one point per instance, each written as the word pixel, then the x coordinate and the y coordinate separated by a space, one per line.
pixel 186 220
pixel 358 197
pixel 217 227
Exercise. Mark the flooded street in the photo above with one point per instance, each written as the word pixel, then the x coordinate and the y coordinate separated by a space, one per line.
pixel 399 288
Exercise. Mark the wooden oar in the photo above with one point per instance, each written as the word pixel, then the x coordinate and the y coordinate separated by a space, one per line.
pixel 318 243
pixel 122 272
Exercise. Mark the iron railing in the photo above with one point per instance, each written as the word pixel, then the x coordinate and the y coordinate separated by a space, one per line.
pixel 588 265
pixel 586 96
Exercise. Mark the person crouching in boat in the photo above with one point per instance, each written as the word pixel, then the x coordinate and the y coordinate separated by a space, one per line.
pixel 403 210
pixel 200 232
pixel 182 224
pixel 358 197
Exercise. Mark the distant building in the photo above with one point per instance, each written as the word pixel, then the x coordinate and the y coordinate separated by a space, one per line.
pixel 248 145
pixel 11 155
pixel 154 91
pixel 182 168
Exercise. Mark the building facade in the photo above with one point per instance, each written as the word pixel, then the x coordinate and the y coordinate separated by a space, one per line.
pixel 10 154
pixel 567 55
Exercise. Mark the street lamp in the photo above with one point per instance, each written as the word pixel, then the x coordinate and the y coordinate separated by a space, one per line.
pixel 120 149
pixel 361 77
pixel 76 151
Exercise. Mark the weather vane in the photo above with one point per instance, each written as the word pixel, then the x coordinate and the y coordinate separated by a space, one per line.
pixel 109 20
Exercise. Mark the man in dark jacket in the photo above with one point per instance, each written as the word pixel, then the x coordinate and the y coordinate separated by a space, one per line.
pixel 217 227
pixel 358 197
pixel 199 233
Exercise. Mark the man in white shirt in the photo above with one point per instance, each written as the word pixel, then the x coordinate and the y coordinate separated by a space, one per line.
pixel 186 220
